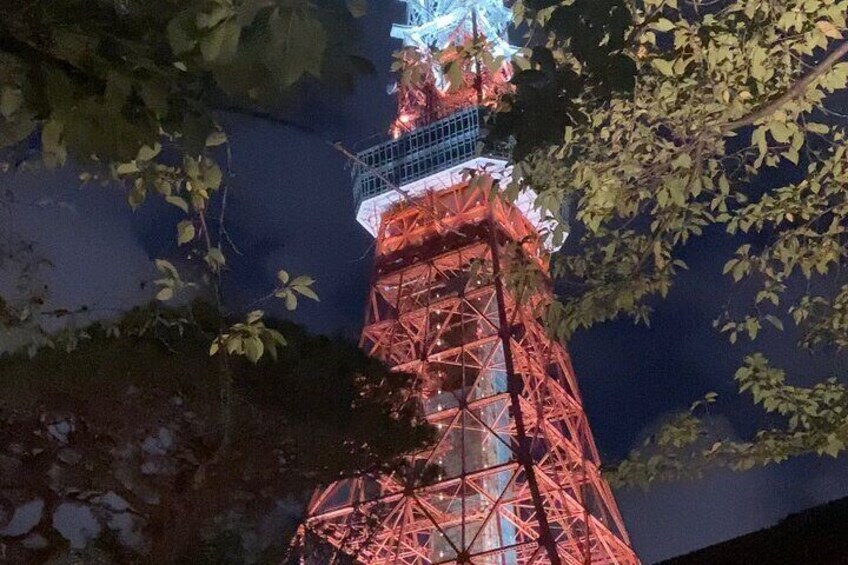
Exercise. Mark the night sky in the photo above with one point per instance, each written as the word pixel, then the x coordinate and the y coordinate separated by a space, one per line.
pixel 291 207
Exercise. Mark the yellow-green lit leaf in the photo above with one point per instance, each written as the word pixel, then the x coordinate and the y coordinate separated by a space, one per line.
pixel 235 345
pixel 775 321
pixel 53 151
pixel 178 202
pixel 11 100
pixel 181 35
pixel 302 280
pixel 663 24
pixel 307 292
pixel 276 336
pixel 829 29
pixel 148 153
pixel 253 349
pixel 185 232
pixel 166 267
pixel 137 193
pixel 291 301
pixel 814 127
pixel 216 138
pixel 663 66
pixel 780 131
pixel 215 259
pixel 127 168
pixel 298 45
pixel 357 8
pixel 212 175
pixel 165 294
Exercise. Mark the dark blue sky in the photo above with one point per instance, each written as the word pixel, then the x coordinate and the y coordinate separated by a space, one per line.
pixel 291 207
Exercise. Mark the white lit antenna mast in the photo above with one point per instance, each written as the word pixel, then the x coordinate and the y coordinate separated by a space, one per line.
pixel 438 23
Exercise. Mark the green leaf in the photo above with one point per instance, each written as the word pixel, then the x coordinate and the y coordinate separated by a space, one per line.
pixel 814 127
pixel 216 138
pixel 11 100
pixel 137 193
pixel 291 301
pixel 775 321
pixel 357 8
pixel 165 294
pixel 185 232
pixel 218 12
pixel 220 45
pixel 212 175
pixel 53 151
pixel 306 291
pixel 297 45
pixel 829 29
pixel 181 35
pixel 235 345
pixel 253 348
pixel 127 168
pixel 282 276
pixel 248 9
pixel 215 259
pixel 166 267
pixel 254 316
pixel 834 445
pixel 663 24
pixel 178 202
pixel 276 336
pixel 456 77
pixel 270 346
pixel 758 138
pixel 780 131
pixel 148 153
pixel 663 66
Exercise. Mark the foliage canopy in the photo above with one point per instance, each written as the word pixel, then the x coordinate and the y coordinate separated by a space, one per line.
pixel 79 424
pixel 643 124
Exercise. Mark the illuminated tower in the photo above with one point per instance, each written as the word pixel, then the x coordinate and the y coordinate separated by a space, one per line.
pixel 513 476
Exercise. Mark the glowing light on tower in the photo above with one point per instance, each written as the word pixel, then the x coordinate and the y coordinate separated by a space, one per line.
pixel 517 472
pixel 432 28
pixel 440 23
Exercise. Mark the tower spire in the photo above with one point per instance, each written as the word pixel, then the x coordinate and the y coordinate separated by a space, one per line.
pixel 440 35
pixel 436 24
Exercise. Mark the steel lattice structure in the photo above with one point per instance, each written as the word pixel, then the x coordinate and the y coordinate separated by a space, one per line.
pixel 517 466
pixel 513 477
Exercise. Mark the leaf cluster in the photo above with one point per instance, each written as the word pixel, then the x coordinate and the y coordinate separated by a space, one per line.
pixel 802 420
pixel 660 121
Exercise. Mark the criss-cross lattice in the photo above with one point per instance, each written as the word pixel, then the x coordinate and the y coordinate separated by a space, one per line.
pixel 516 477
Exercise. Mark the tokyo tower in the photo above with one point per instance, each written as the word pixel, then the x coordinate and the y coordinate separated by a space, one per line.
pixel 514 473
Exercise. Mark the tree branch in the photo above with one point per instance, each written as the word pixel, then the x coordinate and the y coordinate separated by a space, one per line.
pixel 797 90
pixel 638 25
pixel 265 116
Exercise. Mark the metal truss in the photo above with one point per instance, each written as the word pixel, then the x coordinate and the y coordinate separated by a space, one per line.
pixel 513 478
pixel 439 23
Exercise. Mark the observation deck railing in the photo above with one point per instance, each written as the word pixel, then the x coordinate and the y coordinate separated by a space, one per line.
pixel 424 151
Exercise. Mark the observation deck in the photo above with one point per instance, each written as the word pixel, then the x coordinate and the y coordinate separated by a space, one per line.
pixel 433 157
